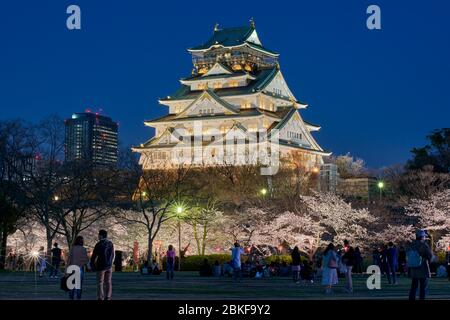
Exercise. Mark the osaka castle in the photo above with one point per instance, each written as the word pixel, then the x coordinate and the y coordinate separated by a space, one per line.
pixel 234 108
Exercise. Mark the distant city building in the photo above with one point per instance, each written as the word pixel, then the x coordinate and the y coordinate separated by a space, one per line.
pixel 91 137
pixel 362 188
pixel 329 177
pixel 19 168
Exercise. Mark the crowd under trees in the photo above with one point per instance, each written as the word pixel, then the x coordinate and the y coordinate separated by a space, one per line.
pixel 44 199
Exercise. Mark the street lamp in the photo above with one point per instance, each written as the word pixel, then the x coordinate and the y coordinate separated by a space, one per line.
pixel 179 210
pixel 380 186
pixel 56 198
pixel 263 191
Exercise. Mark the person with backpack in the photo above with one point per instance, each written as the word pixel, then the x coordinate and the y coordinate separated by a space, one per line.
pixel 170 262
pixel 102 260
pixel 391 257
pixel 296 264
pixel 348 258
pixel 56 261
pixel 419 256
pixel 329 268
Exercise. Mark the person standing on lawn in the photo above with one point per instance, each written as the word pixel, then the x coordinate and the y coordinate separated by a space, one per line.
pixel 419 257
pixel 102 260
pixel 447 262
pixel 329 268
pixel 402 261
pixel 170 262
pixel 41 261
pixel 56 261
pixel 78 257
pixel 349 259
pixel 236 253
pixel 392 263
pixel 296 264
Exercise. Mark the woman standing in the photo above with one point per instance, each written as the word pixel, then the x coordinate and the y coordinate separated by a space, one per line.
pixel 296 264
pixel 170 259
pixel 78 257
pixel 329 268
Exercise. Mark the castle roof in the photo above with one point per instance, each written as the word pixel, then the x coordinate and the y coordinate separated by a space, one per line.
pixel 233 37
pixel 263 78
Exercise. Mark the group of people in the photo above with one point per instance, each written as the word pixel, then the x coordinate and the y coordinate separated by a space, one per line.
pixel 417 259
pixel 101 261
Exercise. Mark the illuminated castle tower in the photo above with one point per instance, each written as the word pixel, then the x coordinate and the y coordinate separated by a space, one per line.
pixel 236 84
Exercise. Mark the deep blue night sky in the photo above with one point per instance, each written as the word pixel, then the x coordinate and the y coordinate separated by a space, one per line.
pixel 375 93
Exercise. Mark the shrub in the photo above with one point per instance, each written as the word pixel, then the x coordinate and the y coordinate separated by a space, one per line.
pixel 192 263
pixel 278 259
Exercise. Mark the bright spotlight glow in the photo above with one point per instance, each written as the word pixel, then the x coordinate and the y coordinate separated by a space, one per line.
pixel 264 191
pixel 34 254
pixel 315 170
pixel 56 198
pixel 179 209
pixel 380 184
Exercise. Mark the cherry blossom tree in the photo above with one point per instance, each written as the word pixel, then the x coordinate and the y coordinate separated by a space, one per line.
pixel 292 229
pixel 433 213
pixel 397 233
pixel 339 219
pixel 444 243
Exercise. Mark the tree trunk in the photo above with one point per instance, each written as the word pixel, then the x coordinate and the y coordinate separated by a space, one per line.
pixel 150 249
pixel 3 243
pixel 49 239
pixel 205 230
pixel 179 245
pixel 197 240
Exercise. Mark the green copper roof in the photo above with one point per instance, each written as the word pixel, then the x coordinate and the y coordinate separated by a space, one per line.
pixel 241 113
pixel 216 76
pixel 263 78
pixel 231 37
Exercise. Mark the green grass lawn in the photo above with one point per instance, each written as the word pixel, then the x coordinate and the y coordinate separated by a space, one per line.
pixel 188 285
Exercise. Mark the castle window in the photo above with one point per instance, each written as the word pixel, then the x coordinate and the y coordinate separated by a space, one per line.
pixel 203 86
pixel 233 83
pixel 246 105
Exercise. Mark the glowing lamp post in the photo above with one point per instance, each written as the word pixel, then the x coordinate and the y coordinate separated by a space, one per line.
pixel 179 210
pixel 263 191
pixel 380 186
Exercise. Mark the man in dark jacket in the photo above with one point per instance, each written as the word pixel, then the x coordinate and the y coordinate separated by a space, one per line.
pixel 349 259
pixel 420 274
pixel 101 261
pixel 392 263
pixel 56 261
